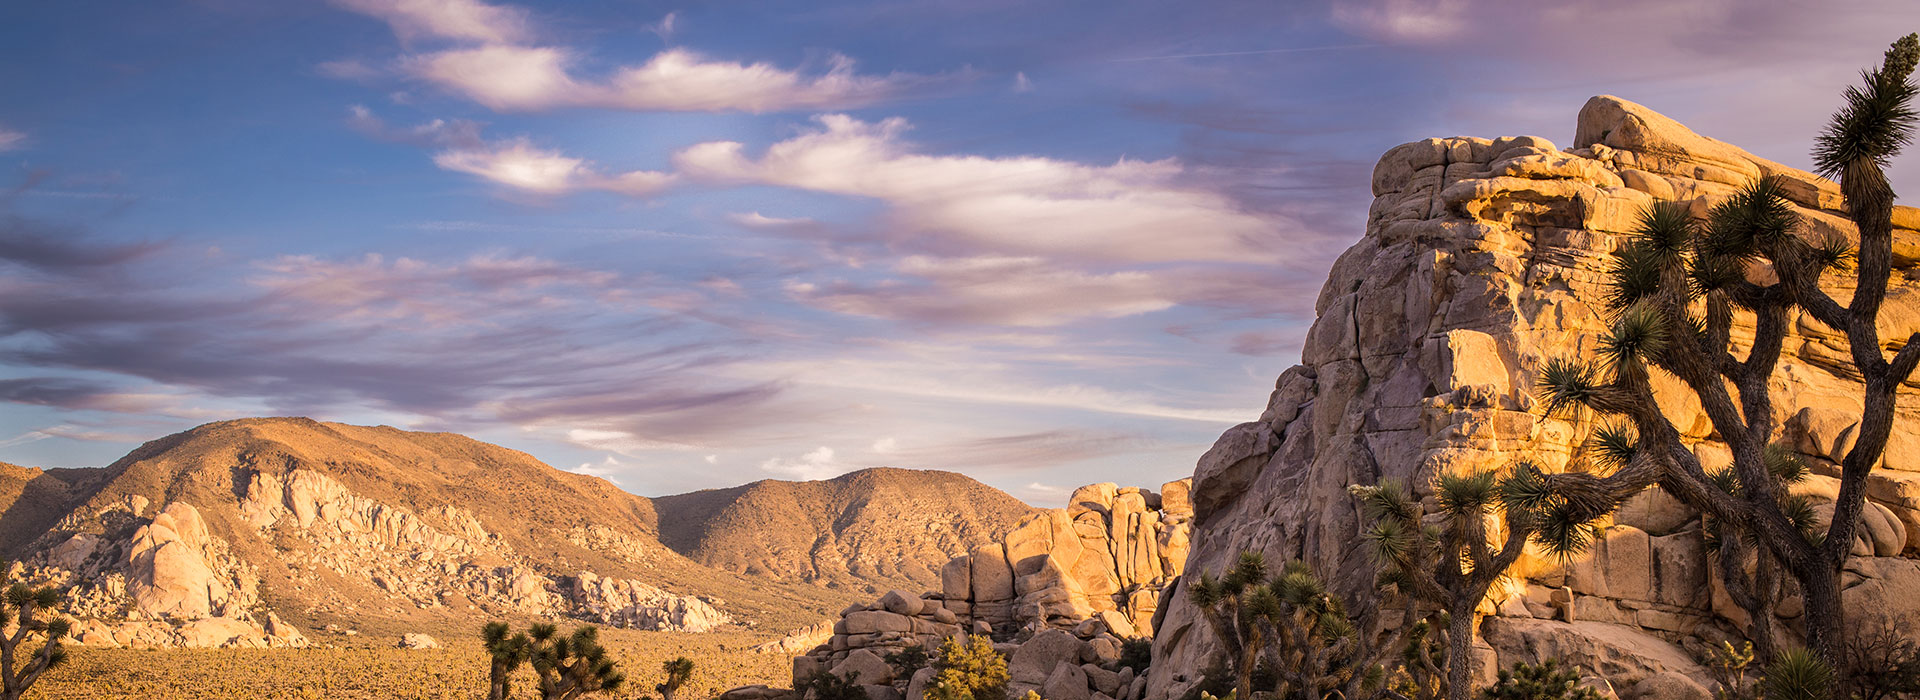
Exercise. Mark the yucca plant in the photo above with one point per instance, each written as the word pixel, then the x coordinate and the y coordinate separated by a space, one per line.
pixel 1798 674
pixel 1675 289
pixel 571 666
pixel 1543 681
pixel 1227 605
pixel 507 653
pixel 1748 569
pixel 679 671
pixel 23 607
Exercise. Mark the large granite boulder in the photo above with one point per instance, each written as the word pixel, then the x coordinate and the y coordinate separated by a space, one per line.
pixel 1482 259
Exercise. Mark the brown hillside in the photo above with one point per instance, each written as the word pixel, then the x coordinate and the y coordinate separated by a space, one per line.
pixel 868 530
pixel 32 500
pixel 534 517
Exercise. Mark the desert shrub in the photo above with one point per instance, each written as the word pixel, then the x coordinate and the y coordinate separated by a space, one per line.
pixel 1729 667
pixel 1797 674
pixel 1882 663
pixel 823 685
pixel 1544 681
pixel 972 670
pixel 910 659
pixel 1136 654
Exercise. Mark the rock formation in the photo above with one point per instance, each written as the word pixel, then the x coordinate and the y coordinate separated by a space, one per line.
pixel 1065 591
pixel 1481 260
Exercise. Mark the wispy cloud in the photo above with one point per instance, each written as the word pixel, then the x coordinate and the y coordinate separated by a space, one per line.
pixel 1029 204
pixel 11 140
pixel 469 20
pixel 532 78
pixel 520 165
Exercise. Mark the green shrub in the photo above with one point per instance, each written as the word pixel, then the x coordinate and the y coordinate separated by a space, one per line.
pixel 826 686
pixel 1136 654
pixel 968 671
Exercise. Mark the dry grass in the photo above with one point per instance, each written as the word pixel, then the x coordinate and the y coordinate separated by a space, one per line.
pixel 457 671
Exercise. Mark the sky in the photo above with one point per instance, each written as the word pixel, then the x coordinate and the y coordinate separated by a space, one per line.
pixel 691 245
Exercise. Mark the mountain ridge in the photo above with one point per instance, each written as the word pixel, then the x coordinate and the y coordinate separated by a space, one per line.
pixel 336 524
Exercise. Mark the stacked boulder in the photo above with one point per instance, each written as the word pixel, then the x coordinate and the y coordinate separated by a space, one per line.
pixel 1109 553
pixel 1482 260
pixel 1081 663
pixel 1064 593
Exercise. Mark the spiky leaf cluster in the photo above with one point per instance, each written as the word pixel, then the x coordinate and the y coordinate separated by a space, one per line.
pixel 1797 674
pixel 1877 119
pixel 571 665
pixel 1543 681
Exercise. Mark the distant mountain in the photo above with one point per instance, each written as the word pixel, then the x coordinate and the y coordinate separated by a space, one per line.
pixel 221 534
pixel 869 530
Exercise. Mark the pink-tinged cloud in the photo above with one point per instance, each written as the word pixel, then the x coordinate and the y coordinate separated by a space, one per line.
pixel 11 140
pixel 468 20
pixel 1141 211
pixel 520 165
pixel 511 78
pixel 1005 291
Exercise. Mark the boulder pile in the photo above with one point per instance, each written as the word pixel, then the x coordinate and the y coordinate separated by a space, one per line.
pixel 1111 550
pixel 1063 594
pixel 166 581
pixel 1482 259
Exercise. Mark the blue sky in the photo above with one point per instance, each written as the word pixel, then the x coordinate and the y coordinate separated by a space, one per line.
pixel 689 246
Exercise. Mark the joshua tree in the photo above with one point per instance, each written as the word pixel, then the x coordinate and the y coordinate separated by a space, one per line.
pixel 1674 293
pixel 571 666
pixel 678 671
pixel 21 605
pixel 1452 566
pixel 1546 681
pixel 1302 632
pixel 1227 605
pixel 507 654
pixel 1755 586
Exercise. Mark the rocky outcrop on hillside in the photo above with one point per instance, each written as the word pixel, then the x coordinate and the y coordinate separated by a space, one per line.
pixel 220 535
pixel 172 583
pixel 1111 550
pixel 1064 593
pixel 1481 260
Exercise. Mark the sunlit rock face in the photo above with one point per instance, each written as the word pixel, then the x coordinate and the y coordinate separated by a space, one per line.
pixel 1062 593
pixel 1481 260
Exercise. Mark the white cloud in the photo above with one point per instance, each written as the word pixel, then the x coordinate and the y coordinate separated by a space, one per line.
pixel 520 165
pixel 530 78
pixel 11 140
pixel 1021 83
pixel 1129 211
pixel 607 468
pixel 812 466
pixel 469 20
pixel 623 442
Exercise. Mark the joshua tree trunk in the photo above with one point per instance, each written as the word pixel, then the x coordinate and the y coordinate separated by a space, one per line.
pixel 1460 627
